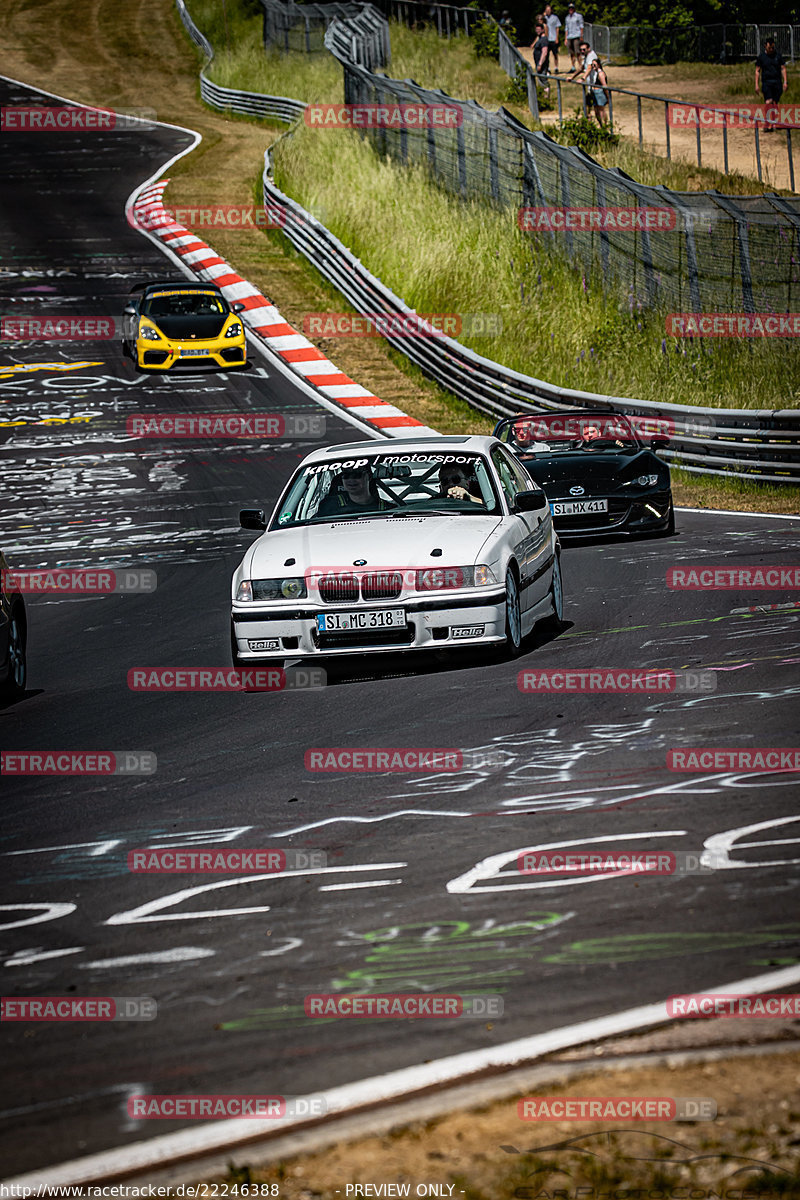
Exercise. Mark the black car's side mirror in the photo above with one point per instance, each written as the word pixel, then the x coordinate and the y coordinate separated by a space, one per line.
pixel 530 501
pixel 129 310
pixel 237 307
pixel 252 518
pixel 658 443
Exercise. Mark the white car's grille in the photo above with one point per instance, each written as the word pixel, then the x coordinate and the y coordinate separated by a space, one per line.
pixel 379 585
pixel 385 585
pixel 338 587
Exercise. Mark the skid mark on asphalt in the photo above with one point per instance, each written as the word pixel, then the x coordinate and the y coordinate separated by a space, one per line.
pixel 425 957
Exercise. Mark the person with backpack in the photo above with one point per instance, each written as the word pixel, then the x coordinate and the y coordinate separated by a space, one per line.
pixel 594 76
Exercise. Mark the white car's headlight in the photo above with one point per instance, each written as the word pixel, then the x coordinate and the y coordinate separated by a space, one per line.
pixel 147 331
pixel 234 330
pixel 440 579
pixel 272 589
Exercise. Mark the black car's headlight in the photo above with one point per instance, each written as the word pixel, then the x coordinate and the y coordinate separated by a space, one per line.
pixel 272 589
pixel 234 330
pixel 642 481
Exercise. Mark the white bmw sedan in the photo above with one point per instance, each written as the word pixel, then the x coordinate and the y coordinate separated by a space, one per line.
pixel 404 545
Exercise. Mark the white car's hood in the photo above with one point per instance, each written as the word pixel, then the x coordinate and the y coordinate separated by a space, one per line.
pixel 383 542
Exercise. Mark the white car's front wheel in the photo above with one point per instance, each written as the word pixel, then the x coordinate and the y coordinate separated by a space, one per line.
pixel 555 621
pixel 513 640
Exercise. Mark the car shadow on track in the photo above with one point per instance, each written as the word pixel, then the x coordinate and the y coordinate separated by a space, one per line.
pixel 399 666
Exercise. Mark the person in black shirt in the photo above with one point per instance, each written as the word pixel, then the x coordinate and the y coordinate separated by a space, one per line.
pixel 770 76
pixel 541 58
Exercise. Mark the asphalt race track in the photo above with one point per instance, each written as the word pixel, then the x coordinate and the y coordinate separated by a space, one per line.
pixel 399 906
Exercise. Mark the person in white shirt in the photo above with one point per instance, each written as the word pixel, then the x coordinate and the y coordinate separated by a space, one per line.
pixel 553 26
pixel 573 32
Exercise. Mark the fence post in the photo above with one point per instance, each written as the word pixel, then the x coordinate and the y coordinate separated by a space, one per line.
pixel 461 156
pixel 758 151
pixel 725 139
pixel 639 115
pixel 493 174
pixel 565 200
pixel 666 125
pixel 736 214
pixel 697 133
pixel 560 112
pixel 791 160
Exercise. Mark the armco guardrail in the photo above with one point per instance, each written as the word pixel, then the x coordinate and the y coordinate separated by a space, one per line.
pixel 248 104
pixel 763 446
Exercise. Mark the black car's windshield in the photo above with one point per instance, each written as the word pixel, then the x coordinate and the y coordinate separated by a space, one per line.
pixel 184 303
pixel 555 433
pixel 389 485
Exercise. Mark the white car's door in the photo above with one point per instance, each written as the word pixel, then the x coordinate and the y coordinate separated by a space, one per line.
pixel 531 531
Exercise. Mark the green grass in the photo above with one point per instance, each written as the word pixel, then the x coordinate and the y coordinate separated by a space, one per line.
pixel 441 254
pixel 470 257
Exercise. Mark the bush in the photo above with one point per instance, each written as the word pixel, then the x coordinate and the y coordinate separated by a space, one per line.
pixel 485 41
pixel 584 132
pixel 517 90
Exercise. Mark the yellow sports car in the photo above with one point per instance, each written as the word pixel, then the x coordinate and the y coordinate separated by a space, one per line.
pixel 182 324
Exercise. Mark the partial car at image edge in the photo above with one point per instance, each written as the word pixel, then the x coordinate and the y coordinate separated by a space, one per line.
pixel 13 637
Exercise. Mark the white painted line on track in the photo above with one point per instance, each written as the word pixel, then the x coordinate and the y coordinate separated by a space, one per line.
pixel 369 1093
pixel 732 512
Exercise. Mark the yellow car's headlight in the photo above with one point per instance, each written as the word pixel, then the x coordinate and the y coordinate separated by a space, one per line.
pixel 149 332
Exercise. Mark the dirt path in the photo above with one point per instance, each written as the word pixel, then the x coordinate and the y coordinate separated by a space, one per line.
pixel 711 89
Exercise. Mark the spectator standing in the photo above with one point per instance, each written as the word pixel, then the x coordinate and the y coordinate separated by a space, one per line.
pixel 770 76
pixel 573 32
pixel 553 25
pixel 541 57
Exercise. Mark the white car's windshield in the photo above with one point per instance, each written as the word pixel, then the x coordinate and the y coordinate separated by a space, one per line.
pixel 389 484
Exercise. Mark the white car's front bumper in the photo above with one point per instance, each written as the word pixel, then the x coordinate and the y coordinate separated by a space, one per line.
pixel 265 631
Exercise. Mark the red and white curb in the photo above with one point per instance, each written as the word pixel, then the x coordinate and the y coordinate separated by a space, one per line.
pixel 263 318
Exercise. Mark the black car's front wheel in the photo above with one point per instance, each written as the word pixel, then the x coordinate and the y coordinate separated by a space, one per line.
pixel 14 685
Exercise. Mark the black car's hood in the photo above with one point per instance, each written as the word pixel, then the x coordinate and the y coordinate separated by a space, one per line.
pixel 595 470
pixel 191 328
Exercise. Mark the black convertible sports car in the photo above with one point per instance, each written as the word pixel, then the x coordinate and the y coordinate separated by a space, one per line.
pixel 596 471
